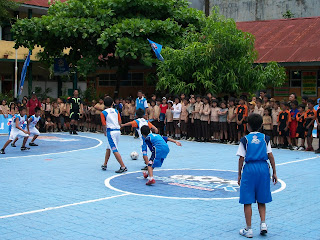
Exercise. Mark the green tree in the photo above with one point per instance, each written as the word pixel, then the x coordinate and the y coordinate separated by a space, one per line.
pixel 219 58
pixel 6 6
pixel 109 33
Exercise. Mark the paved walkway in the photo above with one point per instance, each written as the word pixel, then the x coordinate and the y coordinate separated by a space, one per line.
pixel 58 192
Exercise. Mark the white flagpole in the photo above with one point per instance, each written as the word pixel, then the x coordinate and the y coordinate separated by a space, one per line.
pixel 16 74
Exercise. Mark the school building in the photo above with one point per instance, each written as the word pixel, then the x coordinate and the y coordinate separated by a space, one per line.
pixel 295 45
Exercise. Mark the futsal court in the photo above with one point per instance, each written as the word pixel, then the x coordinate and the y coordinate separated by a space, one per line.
pixel 58 191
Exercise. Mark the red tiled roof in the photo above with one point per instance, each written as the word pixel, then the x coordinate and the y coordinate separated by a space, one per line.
pixel 39 3
pixel 285 40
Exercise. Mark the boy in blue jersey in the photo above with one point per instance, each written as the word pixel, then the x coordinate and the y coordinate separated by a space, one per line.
pixel 159 149
pixel 17 130
pixel 137 124
pixel 254 178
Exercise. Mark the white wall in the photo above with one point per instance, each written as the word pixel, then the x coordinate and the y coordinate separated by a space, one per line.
pixel 252 10
pixel 53 86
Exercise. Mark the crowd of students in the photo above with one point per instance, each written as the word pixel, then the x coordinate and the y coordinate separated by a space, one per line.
pixel 194 118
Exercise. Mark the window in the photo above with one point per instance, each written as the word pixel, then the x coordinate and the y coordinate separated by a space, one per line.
pixel 295 79
pixel 133 79
pixel 108 79
pixel 6 33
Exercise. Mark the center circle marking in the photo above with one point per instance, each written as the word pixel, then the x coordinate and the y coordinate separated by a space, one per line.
pixel 194 184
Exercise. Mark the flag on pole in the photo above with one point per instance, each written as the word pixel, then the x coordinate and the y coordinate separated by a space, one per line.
pixel 157 49
pixel 24 73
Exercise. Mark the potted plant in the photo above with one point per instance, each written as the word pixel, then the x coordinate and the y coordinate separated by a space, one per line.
pixel 7 54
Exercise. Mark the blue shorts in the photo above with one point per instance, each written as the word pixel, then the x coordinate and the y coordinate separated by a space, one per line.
pixel 159 156
pixel 255 183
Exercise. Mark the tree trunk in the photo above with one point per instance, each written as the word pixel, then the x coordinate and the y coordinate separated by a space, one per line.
pixel 207 7
pixel 122 74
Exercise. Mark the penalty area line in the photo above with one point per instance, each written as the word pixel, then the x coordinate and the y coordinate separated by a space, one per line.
pixel 62 206
pixel 296 161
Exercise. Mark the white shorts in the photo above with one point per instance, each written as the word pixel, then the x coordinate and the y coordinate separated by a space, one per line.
pixel 34 131
pixel 113 137
pixel 17 133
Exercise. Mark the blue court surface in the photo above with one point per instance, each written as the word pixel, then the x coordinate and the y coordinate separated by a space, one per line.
pixel 58 191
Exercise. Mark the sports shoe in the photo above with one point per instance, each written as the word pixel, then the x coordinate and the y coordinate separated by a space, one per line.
pixel 75 133
pixel 263 228
pixel 2 151
pixel 295 148
pixel 13 145
pixel 144 168
pixel 33 144
pixel 145 174
pixel 122 170
pixel 24 148
pixel 246 233
pixel 290 147
pixel 150 182
pixel 317 151
pixel 103 167
pixel 301 148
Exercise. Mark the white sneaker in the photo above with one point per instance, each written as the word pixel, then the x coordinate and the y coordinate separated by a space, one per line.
pixel 263 228
pixel 246 233
pixel 295 148
pixel 301 148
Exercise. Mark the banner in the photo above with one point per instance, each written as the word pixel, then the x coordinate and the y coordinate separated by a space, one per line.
pixel 4 124
pixel 61 67
pixel 157 49
pixel 24 73
pixel 309 84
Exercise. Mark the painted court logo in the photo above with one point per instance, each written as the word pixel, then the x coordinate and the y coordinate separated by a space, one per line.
pixel 206 184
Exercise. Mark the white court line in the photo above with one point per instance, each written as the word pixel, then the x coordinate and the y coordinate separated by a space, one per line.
pixel 62 206
pixel 108 185
pixel 46 154
pixel 301 160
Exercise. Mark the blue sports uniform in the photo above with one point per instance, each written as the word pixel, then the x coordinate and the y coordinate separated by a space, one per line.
pixel 159 149
pixel 141 103
pixel 255 180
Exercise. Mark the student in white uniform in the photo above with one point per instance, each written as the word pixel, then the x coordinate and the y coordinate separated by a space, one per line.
pixel 32 123
pixel 31 126
pixel 17 130
pixel 111 120
pixel 138 124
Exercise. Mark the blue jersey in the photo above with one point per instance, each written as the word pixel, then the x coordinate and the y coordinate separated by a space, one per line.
pixel 141 103
pixel 255 145
pixel 157 145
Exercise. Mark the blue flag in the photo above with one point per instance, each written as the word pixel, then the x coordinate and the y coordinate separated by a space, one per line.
pixel 24 72
pixel 157 49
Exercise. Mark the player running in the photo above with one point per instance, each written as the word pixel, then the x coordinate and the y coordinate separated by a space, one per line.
pixel 138 124
pixel 17 130
pixel 159 148
pixel 111 121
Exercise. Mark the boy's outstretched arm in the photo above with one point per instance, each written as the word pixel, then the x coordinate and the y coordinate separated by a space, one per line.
pixel 128 124
pixel 273 165
pixel 240 165
pixel 174 141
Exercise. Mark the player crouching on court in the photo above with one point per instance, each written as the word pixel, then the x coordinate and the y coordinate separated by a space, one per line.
pixel 138 124
pixel 31 126
pixel 254 177
pixel 17 130
pixel 159 149
pixel 111 121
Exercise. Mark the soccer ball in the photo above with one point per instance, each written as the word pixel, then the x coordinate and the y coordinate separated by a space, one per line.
pixel 134 155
